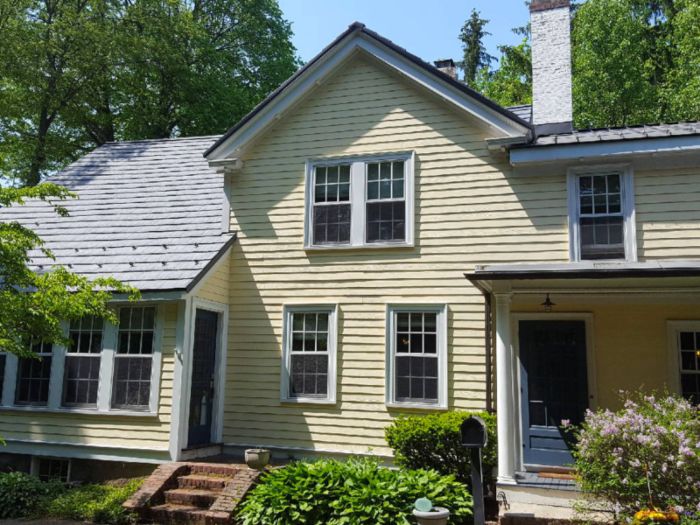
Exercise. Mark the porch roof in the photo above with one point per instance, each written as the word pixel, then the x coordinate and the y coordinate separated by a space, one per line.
pixel 587 275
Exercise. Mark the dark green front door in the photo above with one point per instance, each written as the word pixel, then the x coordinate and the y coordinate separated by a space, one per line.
pixel 554 388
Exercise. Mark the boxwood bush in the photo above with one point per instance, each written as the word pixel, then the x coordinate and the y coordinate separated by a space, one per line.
pixel 21 494
pixel 433 441
pixel 345 493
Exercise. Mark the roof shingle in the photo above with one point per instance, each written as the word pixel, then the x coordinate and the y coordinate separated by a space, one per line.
pixel 148 214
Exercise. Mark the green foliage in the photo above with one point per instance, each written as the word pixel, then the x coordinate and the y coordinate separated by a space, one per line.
pixel 434 442
pixel 20 494
pixel 475 56
pixel 78 74
pixel 635 61
pixel 94 503
pixel 645 455
pixel 347 493
pixel 34 304
pixel 511 83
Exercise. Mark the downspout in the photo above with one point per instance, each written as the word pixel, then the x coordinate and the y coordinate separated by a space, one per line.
pixel 488 328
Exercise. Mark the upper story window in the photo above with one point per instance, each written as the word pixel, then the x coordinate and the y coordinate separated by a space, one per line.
pixel 601 214
pixel 360 202
pixel 309 354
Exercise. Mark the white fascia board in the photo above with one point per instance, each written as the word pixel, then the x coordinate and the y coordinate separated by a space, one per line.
pixel 604 150
pixel 234 145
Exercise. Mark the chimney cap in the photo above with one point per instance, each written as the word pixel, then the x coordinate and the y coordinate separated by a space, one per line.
pixel 443 63
pixel 544 5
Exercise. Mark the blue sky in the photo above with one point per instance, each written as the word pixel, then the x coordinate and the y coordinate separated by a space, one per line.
pixel 427 28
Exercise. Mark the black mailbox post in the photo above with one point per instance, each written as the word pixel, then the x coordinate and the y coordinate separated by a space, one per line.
pixel 475 437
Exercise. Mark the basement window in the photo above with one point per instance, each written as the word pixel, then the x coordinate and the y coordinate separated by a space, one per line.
pixel 54 469
pixel 360 202
pixel 601 214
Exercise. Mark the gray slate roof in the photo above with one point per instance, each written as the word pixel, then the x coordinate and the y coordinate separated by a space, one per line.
pixel 626 133
pixel 523 111
pixel 149 213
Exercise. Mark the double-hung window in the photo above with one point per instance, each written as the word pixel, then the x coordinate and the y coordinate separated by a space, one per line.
pixel 601 209
pixel 81 372
pixel 309 354
pixel 133 361
pixel 34 376
pixel 360 202
pixel 417 356
pixel 689 360
pixel 3 364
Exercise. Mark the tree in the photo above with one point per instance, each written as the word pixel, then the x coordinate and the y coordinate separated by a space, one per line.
pixel 78 73
pixel 511 83
pixel 475 56
pixel 34 304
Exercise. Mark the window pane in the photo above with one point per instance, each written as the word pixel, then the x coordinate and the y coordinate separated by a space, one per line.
pixel 372 172
pixel 397 189
pixel 386 221
pixel 33 375
pixel 332 224
pixel 3 360
pixel 687 340
pixel 80 379
pixel 309 377
pixel 602 238
pixel 132 382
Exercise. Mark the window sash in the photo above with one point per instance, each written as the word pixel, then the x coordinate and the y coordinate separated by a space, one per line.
pixel 3 367
pixel 688 346
pixel 34 377
pixel 309 365
pixel 417 356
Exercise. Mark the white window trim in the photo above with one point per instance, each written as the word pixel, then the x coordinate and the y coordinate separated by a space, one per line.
pixel 358 188
pixel 627 201
pixel 442 337
pixel 332 310
pixel 674 362
pixel 104 389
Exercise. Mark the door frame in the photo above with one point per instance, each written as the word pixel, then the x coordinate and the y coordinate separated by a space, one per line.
pixel 217 424
pixel 515 318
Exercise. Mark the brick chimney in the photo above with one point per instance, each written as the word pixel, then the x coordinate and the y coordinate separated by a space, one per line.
pixel 447 66
pixel 552 107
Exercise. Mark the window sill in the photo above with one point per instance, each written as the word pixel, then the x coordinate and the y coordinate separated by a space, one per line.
pixel 394 405
pixel 369 246
pixel 79 411
pixel 307 401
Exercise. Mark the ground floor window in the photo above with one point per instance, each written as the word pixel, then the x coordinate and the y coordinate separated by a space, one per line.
pixel 3 360
pixel 34 376
pixel 417 355
pixel 82 364
pixel 134 358
pixel 689 348
pixel 309 353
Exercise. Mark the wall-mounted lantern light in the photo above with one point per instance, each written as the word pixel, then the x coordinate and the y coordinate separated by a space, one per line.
pixel 548 304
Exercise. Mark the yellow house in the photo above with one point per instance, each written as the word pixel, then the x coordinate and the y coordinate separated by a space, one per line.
pixel 376 239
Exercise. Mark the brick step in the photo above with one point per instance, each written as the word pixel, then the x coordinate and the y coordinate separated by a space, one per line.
pixel 173 514
pixel 200 481
pixel 217 469
pixel 201 498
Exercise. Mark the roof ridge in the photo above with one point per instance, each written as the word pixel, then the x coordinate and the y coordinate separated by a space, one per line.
pixel 168 139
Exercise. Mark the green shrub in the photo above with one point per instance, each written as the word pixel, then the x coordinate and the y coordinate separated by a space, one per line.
pixel 346 493
pixel 96 503
pixel 433 441
pixel 21 493
pixel 646 454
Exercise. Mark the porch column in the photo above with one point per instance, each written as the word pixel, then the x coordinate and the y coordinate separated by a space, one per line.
pixel 505 409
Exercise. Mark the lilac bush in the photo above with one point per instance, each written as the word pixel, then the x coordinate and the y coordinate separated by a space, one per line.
pixel 645 455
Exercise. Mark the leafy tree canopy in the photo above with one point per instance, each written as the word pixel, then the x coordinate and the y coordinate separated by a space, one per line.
pixel 75 74
pixel 34 304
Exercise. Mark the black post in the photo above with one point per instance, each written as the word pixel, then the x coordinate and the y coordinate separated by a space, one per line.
pixel 477 487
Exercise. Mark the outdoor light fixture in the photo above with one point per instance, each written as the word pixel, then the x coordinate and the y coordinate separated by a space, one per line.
pixel 548 304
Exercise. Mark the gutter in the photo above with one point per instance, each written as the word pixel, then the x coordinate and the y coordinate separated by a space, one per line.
pixel 488 328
